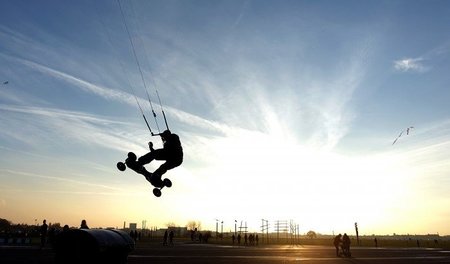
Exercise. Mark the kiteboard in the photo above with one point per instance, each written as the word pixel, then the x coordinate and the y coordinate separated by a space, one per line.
pixel 131 163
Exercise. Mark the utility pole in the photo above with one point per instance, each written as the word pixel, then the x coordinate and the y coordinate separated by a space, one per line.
pixel 357 233
pixel 217 228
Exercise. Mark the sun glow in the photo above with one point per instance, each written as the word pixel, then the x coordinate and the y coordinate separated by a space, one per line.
pixel 257 175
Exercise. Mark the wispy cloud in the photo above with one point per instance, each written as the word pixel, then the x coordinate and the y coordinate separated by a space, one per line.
pixel 253 102
pixel 38 122
pixel 122 97
pixel 53 178
pixel 71 186
pixel 410 65
pixel 103 92
pixel 241 13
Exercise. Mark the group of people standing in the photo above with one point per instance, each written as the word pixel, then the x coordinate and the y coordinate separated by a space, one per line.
pixel 45 231
pixel 342 245
pixel 248 240
pixel 168 238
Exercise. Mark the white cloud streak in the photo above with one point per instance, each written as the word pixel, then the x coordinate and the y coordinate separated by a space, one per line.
pixel 410 65
pixel 123 97
pixel 59 123
pixel 53 178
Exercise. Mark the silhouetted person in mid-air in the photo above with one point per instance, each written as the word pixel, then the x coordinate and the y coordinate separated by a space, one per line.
pixel 84 225
pixel 172 153
pixel 43 233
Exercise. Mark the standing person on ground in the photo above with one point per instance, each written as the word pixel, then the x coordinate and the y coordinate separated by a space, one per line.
pixel 346 245
pixel 43 233
pixel 165 238
pixel 84 225
pixel 171 235
pixel 337 244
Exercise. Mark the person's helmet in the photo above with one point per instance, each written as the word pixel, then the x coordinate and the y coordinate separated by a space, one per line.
pixel 166 133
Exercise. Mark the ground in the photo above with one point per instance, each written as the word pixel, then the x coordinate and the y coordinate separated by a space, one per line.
pixel 184 253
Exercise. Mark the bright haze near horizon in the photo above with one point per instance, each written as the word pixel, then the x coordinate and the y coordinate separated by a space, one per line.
pixel 287 110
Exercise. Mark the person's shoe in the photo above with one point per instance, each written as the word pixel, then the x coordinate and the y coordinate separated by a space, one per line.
pixel 148 178
pixel 157 182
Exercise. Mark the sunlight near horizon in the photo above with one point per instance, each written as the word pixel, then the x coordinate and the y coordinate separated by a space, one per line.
pixel 262 176
pixel 256 175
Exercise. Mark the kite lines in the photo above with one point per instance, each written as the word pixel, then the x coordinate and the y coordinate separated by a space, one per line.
pixel 143 80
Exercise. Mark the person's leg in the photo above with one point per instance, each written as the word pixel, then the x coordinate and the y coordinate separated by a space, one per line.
pixel 147 158
pixel 158 154
pixel 157 174
pixel 169 164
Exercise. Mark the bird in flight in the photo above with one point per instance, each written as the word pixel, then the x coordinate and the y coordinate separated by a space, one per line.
pixel 407 130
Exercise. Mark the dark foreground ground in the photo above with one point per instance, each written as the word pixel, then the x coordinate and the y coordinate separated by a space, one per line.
pixel 185 253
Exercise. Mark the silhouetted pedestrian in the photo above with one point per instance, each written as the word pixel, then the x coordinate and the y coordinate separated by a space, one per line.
pixel 84 224
pixel 171 235
pixel 193 234
pixel 43 233
pixel 233 238
pixel 337 244
pixel 165 238
pixel 346 245
pixel 133 236
pixel 51 234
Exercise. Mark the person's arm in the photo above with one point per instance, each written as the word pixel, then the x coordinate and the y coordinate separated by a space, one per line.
pixel 150 146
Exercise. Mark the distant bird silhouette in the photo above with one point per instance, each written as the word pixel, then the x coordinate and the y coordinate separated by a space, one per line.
pixel 5 82
pixel 408 129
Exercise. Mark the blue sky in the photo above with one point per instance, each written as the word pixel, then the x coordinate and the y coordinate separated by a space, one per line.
pixel 284 108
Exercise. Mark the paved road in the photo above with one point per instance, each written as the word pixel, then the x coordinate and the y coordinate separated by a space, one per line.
pixel 217 254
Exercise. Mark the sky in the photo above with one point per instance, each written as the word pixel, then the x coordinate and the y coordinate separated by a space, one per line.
pixel 286 110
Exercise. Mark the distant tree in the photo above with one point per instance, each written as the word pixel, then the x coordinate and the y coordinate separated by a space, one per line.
pixel 311 234
pixel 192 225
pixel 55 225
pixel 171 224
pixel 4 224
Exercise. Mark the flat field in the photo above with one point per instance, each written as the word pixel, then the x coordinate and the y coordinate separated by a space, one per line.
pixel 184 252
